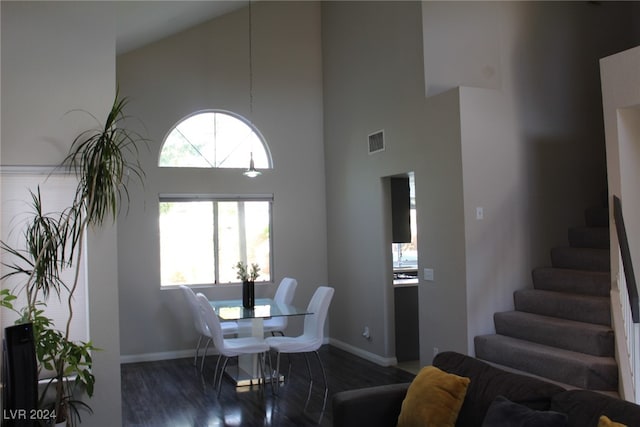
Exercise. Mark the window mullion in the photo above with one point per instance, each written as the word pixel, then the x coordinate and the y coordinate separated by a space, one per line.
pixel 216 244
pixel 242 233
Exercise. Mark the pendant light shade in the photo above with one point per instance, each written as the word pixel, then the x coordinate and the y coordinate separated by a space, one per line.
pixel 252 172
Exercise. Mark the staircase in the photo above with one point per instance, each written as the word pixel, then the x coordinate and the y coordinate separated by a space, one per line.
pixel 561 329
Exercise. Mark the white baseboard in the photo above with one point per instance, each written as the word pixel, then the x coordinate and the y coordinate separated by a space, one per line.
pixel 181 354
pixel 153 357
pixel 371 357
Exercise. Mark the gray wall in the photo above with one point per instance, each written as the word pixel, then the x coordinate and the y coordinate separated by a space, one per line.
pixel 526 145
pixel 57 57
pixel 207 67
pixel 374 80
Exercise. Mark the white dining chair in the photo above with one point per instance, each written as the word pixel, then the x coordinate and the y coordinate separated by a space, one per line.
pixel 228 328
pixel 284 294
pixel 230 347
pixel 310 340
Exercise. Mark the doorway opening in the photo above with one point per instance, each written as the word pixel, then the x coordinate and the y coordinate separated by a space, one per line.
pixel 404 250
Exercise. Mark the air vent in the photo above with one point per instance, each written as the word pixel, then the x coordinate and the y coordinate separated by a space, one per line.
pixel 376 142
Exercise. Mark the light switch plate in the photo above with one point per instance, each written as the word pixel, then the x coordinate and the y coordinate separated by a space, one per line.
pixel 428 274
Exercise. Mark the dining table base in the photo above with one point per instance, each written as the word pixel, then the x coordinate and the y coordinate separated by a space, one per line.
pixel 250 324
pixel 243 379
pixel 248 372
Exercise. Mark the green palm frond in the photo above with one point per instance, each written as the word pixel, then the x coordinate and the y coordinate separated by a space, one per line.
pixel 101 159
pixel 42 259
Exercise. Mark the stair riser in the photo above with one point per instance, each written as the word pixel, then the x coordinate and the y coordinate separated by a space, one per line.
pixel 588 309
pixel 545 362
pixel 581 259
pixel 598 341
pixel 589 237
pixel 574 281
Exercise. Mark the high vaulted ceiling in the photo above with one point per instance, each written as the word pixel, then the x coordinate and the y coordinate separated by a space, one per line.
pixel 141 22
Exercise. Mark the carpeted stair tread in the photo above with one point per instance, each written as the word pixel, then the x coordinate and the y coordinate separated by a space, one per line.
pixel 589 259
pixel 581 308
pixel 589 237
pixel 589 338
pixel 574 368
pixel 574 281
pixel 561 329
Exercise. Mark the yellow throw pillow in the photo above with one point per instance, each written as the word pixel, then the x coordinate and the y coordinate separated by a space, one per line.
pixel 604 421
pixel 434 398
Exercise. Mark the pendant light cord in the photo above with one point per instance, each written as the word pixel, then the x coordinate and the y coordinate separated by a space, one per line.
pixel 251 172
pixel 250 65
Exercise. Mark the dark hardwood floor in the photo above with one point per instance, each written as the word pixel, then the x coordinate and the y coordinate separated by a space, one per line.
pixel 172 393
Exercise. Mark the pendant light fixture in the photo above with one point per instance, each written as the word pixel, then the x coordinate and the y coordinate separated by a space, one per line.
pixel 252 172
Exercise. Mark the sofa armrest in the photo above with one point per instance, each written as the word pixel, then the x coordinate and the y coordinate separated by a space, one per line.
pixel 371 406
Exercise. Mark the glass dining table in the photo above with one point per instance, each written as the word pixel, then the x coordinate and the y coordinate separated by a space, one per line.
pixel 250 323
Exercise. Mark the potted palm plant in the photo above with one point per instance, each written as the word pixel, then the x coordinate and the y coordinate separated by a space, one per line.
pixel 102 159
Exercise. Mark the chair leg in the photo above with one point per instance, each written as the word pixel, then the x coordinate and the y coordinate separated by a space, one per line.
pixel 272 373
pixel 259 366
pixel 195 358
pixel 324 378
pixel 215 371
pixel 288 366
pixel 306 359
pixel 224 366
pixel 204 355
pixel 277 375
pixel 262 360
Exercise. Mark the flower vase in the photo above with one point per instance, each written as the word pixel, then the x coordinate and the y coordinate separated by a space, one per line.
pixel 248 294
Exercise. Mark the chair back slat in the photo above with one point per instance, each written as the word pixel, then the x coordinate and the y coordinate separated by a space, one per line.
pixel 211 320
pixel 286 290
pixel 198 321
pixel 319 306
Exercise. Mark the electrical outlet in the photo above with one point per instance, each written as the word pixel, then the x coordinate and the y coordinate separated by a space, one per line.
pixel 366 334
pixel 479 213
pixel 435 351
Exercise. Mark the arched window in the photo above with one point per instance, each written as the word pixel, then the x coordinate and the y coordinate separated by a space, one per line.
pixel 214 139
pixel 203 236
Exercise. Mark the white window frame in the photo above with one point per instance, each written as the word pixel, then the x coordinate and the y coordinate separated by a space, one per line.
pixel 261 145
pixel 182 197
pixel 57 189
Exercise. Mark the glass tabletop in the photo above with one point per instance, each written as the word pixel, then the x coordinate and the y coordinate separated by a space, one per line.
pixel 264 308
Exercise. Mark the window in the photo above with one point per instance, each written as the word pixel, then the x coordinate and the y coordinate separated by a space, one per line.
pixel 57 190
pixel 202 238
pixel 214 139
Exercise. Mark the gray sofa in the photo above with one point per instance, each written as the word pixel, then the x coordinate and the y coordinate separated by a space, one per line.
pixel 380 405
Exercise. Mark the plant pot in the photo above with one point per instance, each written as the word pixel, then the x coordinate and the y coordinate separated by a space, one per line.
pixel 248 294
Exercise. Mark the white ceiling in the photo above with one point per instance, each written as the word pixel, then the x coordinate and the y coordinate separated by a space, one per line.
pixel 141 22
